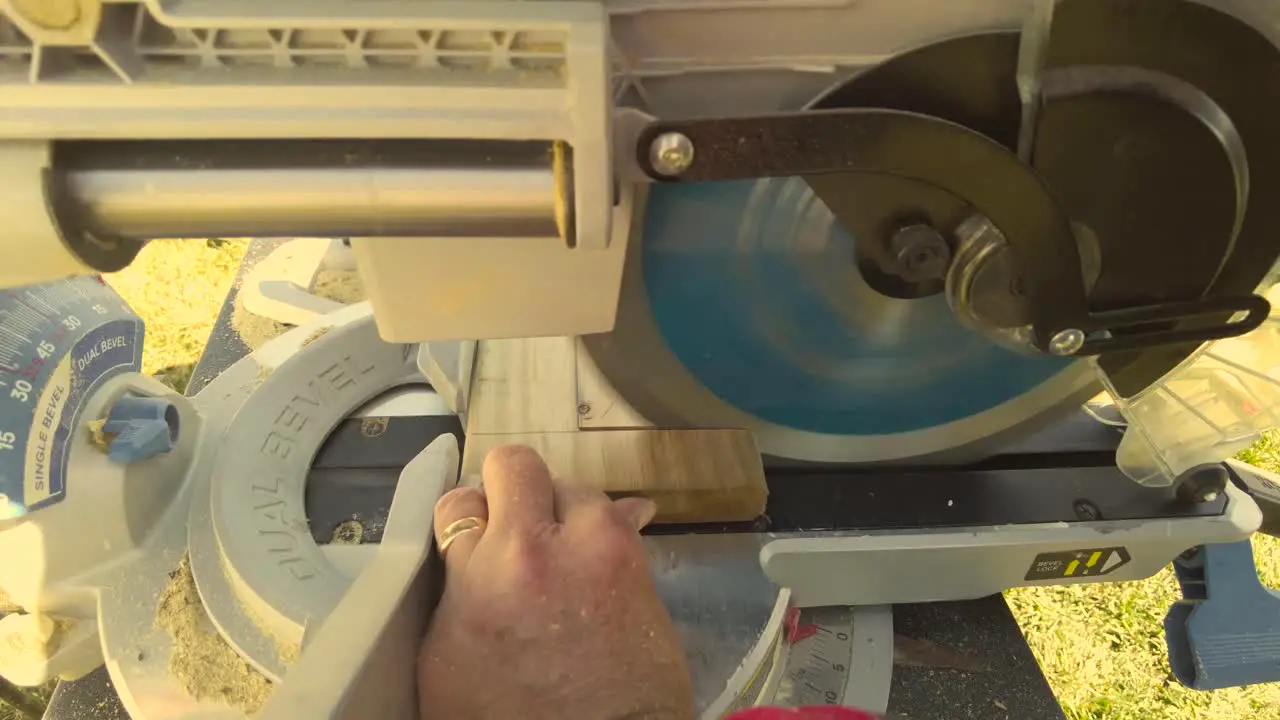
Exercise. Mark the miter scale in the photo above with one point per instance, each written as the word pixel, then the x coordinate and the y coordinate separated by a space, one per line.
pixel 899 239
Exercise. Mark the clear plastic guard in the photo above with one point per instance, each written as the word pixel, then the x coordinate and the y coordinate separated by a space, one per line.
pixel 1214 404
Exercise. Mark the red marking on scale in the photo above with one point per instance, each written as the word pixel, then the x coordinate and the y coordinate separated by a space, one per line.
pixel 795 631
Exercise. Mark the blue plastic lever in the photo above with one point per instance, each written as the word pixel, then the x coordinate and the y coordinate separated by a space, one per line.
pixel 143 427
pixel 1225 632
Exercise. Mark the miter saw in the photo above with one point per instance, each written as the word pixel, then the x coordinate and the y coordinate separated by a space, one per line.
pixel 890 239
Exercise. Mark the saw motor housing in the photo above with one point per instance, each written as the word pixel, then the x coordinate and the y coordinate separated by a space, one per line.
pixel 548 111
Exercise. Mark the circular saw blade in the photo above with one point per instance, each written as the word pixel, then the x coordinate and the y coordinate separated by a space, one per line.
pixel 772 293
pixel 742 306
pixel 754 289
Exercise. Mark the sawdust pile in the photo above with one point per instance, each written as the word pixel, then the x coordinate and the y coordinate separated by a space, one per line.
pixel 254 330
pixel 289 652
pixel 264 372
pixel 317 335
pixel 350 532
pixel 342 286
pixel 202 661
pixel 62 627
pixel 7 605
pixel 98 435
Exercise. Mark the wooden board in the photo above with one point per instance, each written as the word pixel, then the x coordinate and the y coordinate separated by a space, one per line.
pixel 693 475
pixel 523 386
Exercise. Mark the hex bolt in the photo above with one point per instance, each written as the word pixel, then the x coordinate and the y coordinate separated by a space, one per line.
pixel 920 253
pixel 671 153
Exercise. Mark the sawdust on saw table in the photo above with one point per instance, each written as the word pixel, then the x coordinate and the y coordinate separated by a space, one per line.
pixel 264 372
pixel 316 335
pixel 1100 645
pixel 350 532
pixel 254 330
pixel 342 286
pixel 202 661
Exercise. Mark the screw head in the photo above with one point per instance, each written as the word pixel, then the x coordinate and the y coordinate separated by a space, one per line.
pixel 1086 510
pixel 1066 342
pixel 671 153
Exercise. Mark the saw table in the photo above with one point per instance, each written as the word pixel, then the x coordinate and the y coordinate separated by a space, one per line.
pixel 978 653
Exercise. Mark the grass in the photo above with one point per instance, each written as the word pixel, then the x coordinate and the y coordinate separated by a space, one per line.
pixel 179 315
pixel 1101 646
pixel 39 696
pixel 1102 649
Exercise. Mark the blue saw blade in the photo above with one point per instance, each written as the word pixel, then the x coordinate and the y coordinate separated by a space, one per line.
pixel 754 288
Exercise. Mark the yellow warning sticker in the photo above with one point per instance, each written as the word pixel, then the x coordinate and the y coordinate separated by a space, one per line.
pixel 1077 563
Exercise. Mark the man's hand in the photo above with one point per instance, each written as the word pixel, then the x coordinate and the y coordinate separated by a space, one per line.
pixel 551 611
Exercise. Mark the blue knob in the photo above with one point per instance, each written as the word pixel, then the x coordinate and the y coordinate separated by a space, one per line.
pixel 143 427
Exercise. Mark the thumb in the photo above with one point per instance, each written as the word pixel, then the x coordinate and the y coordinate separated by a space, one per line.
pixel 637 511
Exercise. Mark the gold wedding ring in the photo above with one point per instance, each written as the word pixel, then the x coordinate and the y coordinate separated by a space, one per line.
pixel 459 528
